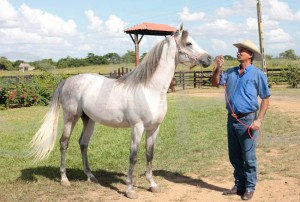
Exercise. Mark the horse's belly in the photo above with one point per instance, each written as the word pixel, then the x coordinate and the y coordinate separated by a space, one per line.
pixel 112 118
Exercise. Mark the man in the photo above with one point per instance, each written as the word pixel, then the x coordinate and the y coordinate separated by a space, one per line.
pixel 244 84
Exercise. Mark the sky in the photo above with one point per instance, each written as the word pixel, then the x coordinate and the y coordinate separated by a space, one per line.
pixel 39 29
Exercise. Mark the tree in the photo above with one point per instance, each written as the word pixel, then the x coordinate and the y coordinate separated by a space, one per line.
pixel 143 56
pixel 269 57
pixel 45 64
pixel 96 60
pixel 6 64
pixel 288 54
pixel 129 57
pixel 229 57
pixel 113 58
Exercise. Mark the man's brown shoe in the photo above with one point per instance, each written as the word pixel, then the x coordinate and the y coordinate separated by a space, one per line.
pixel 232 191
pixel 248 195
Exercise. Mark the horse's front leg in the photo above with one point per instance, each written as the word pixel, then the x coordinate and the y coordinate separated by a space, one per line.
pixel 150 141
pixel 136 135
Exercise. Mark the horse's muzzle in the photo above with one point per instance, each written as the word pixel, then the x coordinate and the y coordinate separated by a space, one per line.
pixel 205 60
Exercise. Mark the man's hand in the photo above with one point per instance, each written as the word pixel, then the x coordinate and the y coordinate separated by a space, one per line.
pixel 256 124
pixel 220 61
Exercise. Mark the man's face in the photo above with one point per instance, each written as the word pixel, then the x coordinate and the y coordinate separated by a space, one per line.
pixel 243 54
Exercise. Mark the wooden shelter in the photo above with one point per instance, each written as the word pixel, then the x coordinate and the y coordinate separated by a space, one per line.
pixel 147 29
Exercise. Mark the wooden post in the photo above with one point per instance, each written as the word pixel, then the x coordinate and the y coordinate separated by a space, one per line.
pixel 122 71
pixel 195 79
pixel 136 43
pixel 180 75
pixel 261 38
pixel 200 79
pixel 119 73
pixel 183 82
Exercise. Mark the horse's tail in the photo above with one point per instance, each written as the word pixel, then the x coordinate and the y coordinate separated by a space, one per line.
pixel 43 141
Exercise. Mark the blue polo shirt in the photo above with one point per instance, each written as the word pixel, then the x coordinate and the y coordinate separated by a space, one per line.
pixel 243 90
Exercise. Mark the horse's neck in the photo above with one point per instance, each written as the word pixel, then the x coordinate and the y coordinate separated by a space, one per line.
pixel 165 71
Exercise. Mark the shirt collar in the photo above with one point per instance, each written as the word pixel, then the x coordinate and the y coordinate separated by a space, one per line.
pixel 247 69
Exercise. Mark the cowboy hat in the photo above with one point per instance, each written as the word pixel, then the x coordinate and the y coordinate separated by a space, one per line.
pixel 249 45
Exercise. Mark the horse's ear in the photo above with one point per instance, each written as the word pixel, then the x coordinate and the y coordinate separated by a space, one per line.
pixel 180 27
pixel 179 30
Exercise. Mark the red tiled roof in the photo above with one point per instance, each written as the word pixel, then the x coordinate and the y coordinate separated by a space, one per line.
pixel 151 29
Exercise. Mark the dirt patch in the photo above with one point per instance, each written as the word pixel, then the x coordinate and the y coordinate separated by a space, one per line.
pixel 193 188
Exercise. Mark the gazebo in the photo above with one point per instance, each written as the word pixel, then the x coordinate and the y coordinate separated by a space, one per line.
pixel 147 28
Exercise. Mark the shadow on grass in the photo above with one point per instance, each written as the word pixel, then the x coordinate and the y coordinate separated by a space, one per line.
pixel 178 178
pixel 109 179
pixel 105 178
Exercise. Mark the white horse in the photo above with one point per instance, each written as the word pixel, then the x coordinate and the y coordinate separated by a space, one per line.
pixel 137 100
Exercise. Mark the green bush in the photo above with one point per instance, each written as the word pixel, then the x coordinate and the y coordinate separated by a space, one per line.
pixel 292 75
pixel 23 92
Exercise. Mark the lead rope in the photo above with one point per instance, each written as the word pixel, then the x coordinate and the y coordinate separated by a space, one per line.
pixel 232 111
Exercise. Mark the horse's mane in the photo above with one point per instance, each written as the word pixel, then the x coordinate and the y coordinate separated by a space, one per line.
pixel 145 70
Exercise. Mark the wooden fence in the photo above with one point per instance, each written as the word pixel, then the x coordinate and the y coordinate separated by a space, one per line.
pixel 182 79
pixel 198 79
pixel 118 73
pixel 191 79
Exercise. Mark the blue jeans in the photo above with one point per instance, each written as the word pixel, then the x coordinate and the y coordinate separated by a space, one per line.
pixel 242 152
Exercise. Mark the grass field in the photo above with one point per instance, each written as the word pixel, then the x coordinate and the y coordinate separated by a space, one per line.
pixel 192 139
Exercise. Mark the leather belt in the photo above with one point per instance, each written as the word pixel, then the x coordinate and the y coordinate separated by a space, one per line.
pixel 243 115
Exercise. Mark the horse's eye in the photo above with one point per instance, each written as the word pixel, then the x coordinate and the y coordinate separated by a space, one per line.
pixel 188 43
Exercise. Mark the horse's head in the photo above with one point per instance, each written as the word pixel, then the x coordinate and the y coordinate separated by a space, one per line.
pixel 189 51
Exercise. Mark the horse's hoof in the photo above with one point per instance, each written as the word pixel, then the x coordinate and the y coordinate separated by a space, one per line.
pixel 155 189
pixel 65 183
pixel 93 179
pixel 131 194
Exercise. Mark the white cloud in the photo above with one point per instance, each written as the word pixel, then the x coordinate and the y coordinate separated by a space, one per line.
pixel 278 36
pixel 8 14
pixel 269 23
pixel 219 27
pixel 252 23
pixel 115 26
pixel 238 8
pixel 219 45
pixel 95 22
pixel 9 36
pixel 36 31
pixel 279 10
pixel 46 23
pixel 297 15
pixel 185 15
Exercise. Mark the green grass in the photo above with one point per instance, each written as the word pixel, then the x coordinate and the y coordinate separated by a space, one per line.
pixel 192 139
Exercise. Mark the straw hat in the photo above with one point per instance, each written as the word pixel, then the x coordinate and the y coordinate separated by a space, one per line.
pixel 249 45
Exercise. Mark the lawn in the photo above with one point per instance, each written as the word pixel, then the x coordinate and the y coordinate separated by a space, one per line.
pixel 192 139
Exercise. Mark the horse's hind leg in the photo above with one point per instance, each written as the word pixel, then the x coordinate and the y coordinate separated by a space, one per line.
pixel 64 141
pixel 136 135
pixel 87 131
pixel 150 140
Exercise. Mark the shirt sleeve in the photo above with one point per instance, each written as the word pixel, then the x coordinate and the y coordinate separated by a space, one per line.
pixel 223 78
pixel 263 87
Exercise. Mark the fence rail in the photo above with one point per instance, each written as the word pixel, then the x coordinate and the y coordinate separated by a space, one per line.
pixel 181 79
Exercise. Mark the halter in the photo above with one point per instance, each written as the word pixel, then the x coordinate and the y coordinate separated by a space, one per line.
pixel 187 53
